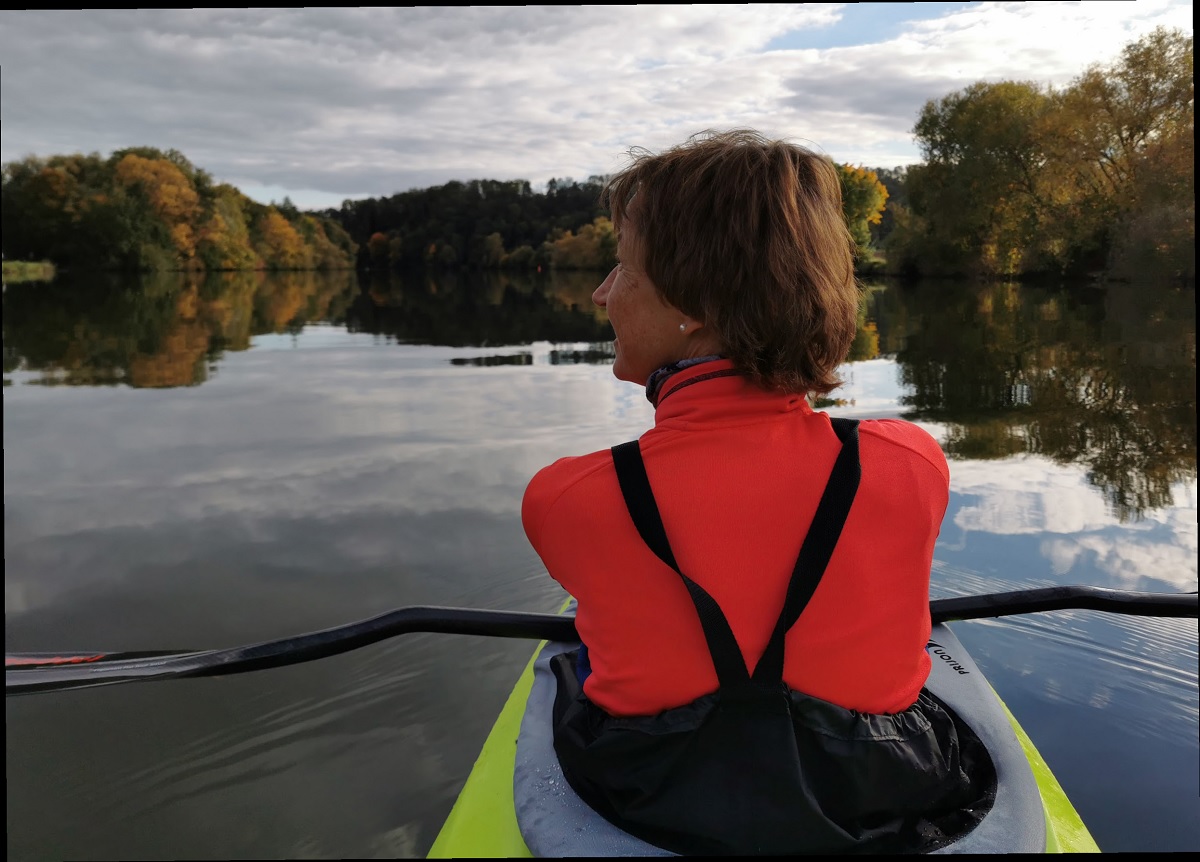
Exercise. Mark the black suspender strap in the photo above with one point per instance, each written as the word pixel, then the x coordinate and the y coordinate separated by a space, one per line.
pixel 811 562
pixel 815 553
pixel 639 499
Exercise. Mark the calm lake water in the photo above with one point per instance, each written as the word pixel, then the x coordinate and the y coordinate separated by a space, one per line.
pixel 196 463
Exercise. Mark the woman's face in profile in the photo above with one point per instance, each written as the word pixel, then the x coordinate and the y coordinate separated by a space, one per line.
pixel 646 327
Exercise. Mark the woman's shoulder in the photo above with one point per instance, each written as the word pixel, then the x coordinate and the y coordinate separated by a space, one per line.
pixel 902 437
pixel 567 471
pixel 553 484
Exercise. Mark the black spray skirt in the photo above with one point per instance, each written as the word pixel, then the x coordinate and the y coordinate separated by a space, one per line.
pixel 779 772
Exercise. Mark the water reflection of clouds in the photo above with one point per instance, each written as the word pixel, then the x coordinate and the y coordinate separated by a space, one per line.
pixel 872 389
pixel 1130 564
pixel 1074 529
pixel 1027 494
pixel 350 426
pixel 387 455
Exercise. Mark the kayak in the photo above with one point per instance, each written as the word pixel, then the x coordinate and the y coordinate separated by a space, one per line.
pixel 516 801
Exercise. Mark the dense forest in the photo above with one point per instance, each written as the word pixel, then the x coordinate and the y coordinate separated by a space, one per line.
pixel 491 224
pixel 1019 178
pixel 142 209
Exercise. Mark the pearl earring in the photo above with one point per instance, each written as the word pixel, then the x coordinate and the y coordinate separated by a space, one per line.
pixel 683 327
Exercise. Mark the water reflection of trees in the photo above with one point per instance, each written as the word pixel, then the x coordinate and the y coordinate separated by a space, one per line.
pixel 161 330
pixel 1103 378
pixel 480 309
pixel 170 329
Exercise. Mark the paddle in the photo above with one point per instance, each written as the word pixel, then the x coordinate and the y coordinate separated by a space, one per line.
pixel 26 673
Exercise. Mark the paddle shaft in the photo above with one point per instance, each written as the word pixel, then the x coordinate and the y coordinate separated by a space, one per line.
pixel 27 673
pixel 1128 602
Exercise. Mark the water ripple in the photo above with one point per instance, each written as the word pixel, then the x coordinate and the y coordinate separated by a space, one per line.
pixel 1090 658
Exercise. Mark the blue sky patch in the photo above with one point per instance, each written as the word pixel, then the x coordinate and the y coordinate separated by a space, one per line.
pixel 864 24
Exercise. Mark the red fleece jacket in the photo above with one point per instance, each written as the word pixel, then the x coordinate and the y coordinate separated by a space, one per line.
pixel 737 473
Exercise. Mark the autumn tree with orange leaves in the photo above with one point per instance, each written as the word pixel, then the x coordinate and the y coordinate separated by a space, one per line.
pixel 147 210
pixel 863 201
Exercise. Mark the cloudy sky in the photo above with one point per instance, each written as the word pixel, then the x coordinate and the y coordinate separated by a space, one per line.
pixel 328 104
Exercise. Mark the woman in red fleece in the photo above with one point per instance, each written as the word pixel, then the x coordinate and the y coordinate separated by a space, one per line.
pixel 730 631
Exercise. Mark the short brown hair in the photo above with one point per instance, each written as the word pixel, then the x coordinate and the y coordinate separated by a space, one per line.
pixel 747 236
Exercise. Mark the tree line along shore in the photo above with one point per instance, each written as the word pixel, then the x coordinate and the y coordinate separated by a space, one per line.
pixel 1017 180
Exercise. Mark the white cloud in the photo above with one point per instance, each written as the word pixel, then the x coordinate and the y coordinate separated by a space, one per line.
pixel 368 101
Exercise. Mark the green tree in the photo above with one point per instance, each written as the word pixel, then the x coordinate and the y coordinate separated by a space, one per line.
pixel 1134 131
pixel 1018 178
pixel 978 189
pixel 493 250
pixel 224 238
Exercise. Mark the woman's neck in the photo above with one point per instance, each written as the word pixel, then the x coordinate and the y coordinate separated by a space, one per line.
pixel 656 380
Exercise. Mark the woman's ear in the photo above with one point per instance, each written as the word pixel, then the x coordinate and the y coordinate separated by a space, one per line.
pixel 701 338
